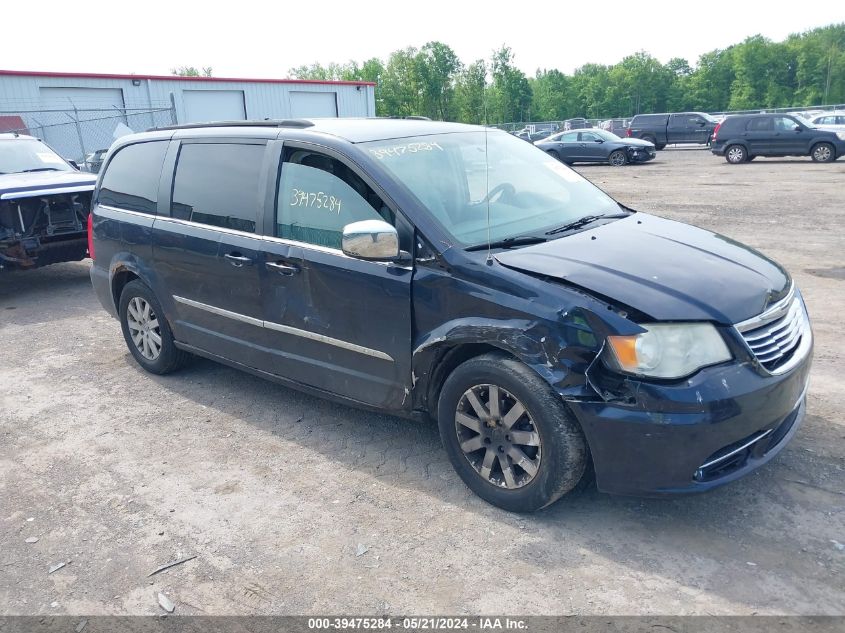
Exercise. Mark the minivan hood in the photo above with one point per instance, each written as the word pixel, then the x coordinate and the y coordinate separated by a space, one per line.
pixel 667 270
pixel 24 185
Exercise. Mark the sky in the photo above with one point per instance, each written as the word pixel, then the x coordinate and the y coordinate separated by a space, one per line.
pixel 257 39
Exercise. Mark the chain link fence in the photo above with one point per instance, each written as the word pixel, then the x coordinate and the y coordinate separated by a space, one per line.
pixel 534 127
pixel 78 133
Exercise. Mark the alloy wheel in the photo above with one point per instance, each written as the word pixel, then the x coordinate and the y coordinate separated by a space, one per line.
pixel 822 153
pixel 736 154
pixel 144 328
pixel 498 436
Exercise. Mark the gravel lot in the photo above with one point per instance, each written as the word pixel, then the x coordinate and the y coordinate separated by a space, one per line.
pixel 117 472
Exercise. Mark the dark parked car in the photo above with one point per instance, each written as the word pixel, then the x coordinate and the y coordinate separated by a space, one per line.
pixel 44 205
pixel 447 271
pixel 742 138
pixel 677 128
pixel 596 146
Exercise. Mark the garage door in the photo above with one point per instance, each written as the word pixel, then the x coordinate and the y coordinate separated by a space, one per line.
pixel 213 105
pixel 99 111
pixel 313 104
pixel 81 98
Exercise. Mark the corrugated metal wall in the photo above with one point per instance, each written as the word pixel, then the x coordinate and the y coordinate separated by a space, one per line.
pixel 262 100
pixel 77 115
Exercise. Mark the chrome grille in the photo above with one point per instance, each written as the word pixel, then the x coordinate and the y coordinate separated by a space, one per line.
pixel 775 335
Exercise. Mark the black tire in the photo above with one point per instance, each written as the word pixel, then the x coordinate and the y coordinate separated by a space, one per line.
pixel 651 139
pixel 554 154
pixel 559 459
pixel 736 154
pixel 660 146
pixel 617 158
pixel 169 358
pixel 823 153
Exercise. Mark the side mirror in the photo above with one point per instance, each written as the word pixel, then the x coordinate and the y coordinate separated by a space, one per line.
pixel 797 128
pixel 74 164
pixel 374 240
pixel 599 140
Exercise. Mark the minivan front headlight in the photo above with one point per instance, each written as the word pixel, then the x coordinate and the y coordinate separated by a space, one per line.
pixel 667 350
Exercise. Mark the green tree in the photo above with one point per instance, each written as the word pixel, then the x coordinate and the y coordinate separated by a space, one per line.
pixel 470 93
pixel 437 69
pixel 400 84
pixel 190 71
pixel 552 97
pixel 709 87
pixel 510 91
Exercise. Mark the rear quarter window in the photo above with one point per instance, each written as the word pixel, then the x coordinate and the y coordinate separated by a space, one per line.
pixel 132 177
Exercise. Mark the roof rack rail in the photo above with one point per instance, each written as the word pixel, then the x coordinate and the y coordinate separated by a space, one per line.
pixel 295 123
pixel 411 117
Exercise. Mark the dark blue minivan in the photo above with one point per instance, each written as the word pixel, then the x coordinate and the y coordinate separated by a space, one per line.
pixel 447 271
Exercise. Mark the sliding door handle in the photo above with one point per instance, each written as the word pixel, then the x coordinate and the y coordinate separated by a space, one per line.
pixel 282 269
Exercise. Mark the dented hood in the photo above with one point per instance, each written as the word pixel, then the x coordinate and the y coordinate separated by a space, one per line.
pixel 667 270
pixel 38 183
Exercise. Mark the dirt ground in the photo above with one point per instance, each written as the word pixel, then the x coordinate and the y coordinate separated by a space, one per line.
pixel 293 505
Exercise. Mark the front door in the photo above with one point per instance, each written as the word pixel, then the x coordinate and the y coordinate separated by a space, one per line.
pixel 593 147
pixel 788 139
pixel 207 251
pixel 338 324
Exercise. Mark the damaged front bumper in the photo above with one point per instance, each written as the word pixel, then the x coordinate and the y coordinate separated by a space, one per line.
pixel 706 431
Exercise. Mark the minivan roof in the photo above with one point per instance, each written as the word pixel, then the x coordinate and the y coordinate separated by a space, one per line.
pixel 354 130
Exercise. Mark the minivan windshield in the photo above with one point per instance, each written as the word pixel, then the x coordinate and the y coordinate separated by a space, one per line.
pixel 462 178
pixel 29 154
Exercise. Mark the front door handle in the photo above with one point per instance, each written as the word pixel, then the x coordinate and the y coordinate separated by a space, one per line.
pixel 283 269
pixel 237 260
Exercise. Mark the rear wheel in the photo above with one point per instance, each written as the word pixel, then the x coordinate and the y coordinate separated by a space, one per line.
pixel 508 435
pixel 617 158
pixel 651 139
pixel 736 154
pixel 146 331
pixel 554 154
pixel 823 152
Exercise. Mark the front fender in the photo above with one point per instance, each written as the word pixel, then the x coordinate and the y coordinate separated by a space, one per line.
pixel 560 352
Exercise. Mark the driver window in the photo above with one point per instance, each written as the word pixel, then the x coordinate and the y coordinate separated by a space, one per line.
pixel 318 196
pixel 783 124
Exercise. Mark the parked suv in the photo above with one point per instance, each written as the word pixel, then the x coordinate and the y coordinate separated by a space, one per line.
pixel 447 271
pixel 677 128
pixel 744 137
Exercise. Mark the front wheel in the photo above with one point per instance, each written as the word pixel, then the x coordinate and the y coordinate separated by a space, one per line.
pixel 508 435
pixel 823 152
pixel 736 154
pixel 146 331
pixel 617 158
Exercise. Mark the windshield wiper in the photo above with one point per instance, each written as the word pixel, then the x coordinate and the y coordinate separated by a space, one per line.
pixel 519 240
pixel 587 219
pixel 26 171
